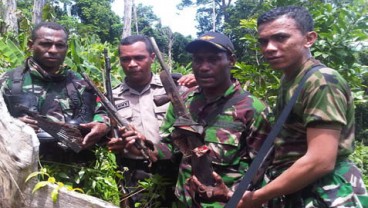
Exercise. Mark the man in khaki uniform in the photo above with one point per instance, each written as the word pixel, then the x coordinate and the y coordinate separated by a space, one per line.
pixel 134 100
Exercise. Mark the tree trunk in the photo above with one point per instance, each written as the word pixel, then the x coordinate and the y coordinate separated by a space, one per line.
pixel 9 15
pixel 214 16
pixel 170 37
pixel 37 11
pixel 168 34
pixel 128 5
pixel 135 17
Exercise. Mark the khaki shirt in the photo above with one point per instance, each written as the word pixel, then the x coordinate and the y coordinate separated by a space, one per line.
pixel 139 108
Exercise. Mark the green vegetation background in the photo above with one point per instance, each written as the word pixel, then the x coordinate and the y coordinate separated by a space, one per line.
pixel 343 45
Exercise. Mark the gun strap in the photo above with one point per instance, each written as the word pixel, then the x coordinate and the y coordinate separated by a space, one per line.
pixel 210 118
pixel 268 143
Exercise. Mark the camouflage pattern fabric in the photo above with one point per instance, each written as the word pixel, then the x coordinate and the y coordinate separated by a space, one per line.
pixel 325 102
pixel 234 138
pixel 342 188
pixel 60 107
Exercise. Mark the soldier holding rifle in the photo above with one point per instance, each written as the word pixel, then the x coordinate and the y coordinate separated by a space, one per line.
pixel 46 87
pixel 234 122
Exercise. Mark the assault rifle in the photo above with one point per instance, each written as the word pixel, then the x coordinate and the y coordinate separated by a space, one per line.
pixel 145 149
pixel 126 199
pixel 108 88
pixel 68 134
pixel 193 144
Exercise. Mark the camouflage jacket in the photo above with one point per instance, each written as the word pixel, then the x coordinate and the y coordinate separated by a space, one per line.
pixel 234 137
pixel 325 102
pixel 61 97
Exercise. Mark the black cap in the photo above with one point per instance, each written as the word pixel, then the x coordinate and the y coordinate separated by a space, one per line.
pixel 218 40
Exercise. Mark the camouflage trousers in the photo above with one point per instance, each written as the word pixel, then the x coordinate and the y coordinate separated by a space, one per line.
pixel 344 187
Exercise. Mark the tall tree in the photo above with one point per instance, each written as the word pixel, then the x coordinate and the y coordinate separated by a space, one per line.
pixel 97 18
pixel 147 20
pixel 128 8
pixel 8 9
pixel 135 17
pixel 37 11
pixel 169 39
pixel 206 9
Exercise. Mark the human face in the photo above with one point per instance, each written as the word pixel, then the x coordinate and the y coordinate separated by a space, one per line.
pixel 211 69
pixel 49 48
pixel 136 62
pixel 283 45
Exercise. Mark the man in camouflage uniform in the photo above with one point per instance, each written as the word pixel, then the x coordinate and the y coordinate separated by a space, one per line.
pixel 311 166
pixel 235 133
pixel 44 85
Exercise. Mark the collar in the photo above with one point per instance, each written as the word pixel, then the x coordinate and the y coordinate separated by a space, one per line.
pixel 37 71
pixel 155 81
pixel 235 87
pixel 301 71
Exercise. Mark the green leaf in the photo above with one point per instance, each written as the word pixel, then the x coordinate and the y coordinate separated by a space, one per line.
pixel 55 193
pixel 39 185
pixel 51 180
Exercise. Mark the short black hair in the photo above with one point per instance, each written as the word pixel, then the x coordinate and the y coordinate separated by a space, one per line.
pixel 137 38
pixel 301 16
pixel 51 25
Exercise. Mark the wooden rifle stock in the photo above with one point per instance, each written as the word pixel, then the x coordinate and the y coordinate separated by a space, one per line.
pixel 192 131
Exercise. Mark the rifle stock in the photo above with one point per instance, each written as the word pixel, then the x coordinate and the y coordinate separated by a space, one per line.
pixel 201 163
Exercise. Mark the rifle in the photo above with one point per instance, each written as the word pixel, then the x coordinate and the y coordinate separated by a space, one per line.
pixel 68 134
pixel 126 199
pixel 199 153
pixel 108 88
pixel 146 151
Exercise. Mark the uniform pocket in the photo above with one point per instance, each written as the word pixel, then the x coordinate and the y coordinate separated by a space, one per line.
pixel 335 190
pixel 126 113
pixel 160 112
pixel 223 138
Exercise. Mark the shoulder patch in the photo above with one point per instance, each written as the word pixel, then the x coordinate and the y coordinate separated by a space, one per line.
pixel 122 105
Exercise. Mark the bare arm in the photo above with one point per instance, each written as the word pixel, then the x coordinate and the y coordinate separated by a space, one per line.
pixel 318 161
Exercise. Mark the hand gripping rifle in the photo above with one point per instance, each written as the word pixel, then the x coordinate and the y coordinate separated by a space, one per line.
pixel 197 150
pixel 146 151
